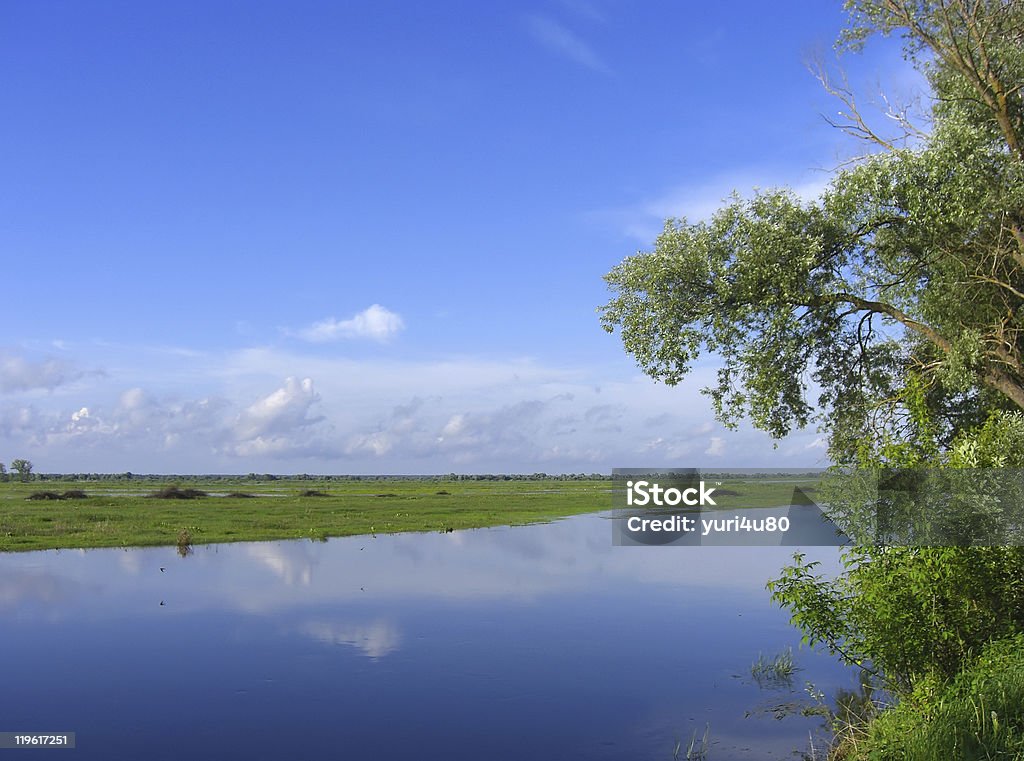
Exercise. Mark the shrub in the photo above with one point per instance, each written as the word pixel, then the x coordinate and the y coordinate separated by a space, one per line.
pixel 41 495
pixel 978 714
pixel 174 492
pixel 906 613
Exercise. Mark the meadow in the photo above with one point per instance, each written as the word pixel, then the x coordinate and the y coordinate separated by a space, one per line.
pixel 53 512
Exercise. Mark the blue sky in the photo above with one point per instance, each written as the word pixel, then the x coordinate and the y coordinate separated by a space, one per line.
pixel 369 237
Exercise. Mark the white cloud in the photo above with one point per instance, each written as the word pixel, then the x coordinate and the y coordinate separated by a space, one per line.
pixel 375 322
pixel 20 374
pixel 716 447
pixel 20 422
pixel 565 43
pixel 279 424
pixel 377 416
pixel 281 411
pixel 645 219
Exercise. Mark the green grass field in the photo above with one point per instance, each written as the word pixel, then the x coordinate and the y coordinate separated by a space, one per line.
pixel 117 513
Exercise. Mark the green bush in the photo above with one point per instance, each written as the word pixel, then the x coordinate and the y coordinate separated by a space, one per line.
pixel 906 613
pixel 977 715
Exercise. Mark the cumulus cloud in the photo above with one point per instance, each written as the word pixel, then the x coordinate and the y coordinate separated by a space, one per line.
pixel 20 374
pixel 375 322
pixel 279 424
pixel 281 411
pixel 139 419
pixel 377 415
pixel 20 422
pixel 530 431
pixel 606 417
pixel 454 433
pixel 407 427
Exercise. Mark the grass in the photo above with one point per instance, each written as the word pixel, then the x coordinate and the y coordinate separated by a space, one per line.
pixel 128 513
pixel 776 671
pixel 143 512
pixel 695 751
pixel 979 714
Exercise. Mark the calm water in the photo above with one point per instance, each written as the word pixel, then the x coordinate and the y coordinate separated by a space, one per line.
pixel 508 643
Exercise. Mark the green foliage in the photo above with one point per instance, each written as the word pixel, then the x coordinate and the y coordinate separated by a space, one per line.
pixel 999 443
pixel 776 671
pixel 905 613
pixel 23 468
pixel 898 292
pixel 979 714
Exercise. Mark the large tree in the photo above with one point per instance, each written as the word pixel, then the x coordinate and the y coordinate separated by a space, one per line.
pixel 897 293
pixel 23 468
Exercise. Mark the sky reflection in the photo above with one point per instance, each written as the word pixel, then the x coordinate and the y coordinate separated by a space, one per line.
pixel 540 641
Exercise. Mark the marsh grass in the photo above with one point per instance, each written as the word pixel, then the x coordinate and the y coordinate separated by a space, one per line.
pixel 776 671
pixel 184 542
pixel 977 715
pixel 697 751
pixel 121 514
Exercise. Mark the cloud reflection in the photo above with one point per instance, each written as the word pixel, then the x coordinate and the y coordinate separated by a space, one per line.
pixel 20 587
pixel 289 561
pixel 517 565
pixel 375 640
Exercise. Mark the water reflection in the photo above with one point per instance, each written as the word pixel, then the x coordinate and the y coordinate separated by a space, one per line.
pixel 21 587
pixel 541 641
pixel 290 562
pixel 375 639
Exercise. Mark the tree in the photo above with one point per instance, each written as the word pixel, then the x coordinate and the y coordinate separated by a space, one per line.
pixel 899 294
pixel 23 468
pixel 898 291
pixel 3 472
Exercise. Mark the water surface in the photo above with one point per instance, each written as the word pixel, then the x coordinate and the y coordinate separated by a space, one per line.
pixel 507 643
